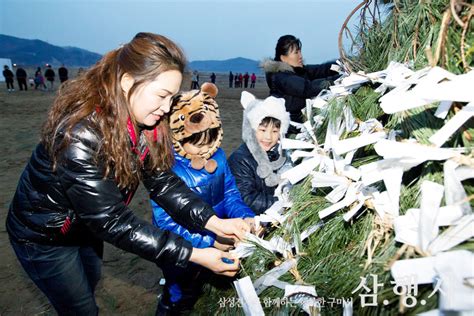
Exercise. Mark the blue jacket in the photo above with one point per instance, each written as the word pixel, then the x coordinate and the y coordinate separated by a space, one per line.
pixel 217 189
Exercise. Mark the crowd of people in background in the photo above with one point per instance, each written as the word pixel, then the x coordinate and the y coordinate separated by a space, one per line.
pixel 45 82
pixel 37 82
pixel 240 80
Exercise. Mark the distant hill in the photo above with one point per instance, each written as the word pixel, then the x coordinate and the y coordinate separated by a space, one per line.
pixel 238 64
pixel 36 52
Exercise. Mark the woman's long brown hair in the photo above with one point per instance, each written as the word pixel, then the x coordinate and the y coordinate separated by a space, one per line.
pixel 99 90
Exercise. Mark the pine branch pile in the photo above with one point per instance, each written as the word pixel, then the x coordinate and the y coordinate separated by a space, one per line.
pixel 385 185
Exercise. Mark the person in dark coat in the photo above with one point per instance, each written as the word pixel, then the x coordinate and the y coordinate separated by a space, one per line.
pixel 63 73
pixel 213 78
pixel 288 78
pixel 231 79
pixel 21 76
pixel 49 74
pixel 257 163
pixel 106 132
pixel 8 74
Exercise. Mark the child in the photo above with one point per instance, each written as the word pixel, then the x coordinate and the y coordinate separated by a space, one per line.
pixel 213 183
pixel 256 162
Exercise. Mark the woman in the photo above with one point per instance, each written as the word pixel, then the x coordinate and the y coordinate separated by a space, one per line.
pixel 106 131
pixel 288 78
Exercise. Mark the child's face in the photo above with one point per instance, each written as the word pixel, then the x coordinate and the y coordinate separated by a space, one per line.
pixel 267 136
pixel 195 149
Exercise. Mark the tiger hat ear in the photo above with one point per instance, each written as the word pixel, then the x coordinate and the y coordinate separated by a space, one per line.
pixel 210 88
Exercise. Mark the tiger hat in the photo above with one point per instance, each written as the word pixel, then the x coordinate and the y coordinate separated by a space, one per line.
pixel 194 112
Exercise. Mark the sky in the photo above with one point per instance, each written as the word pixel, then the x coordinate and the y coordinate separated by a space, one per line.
pixel 206 30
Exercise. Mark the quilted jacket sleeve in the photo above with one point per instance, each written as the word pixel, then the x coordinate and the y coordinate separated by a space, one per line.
pixel 165 222
pixel 98 203
pixel 234 205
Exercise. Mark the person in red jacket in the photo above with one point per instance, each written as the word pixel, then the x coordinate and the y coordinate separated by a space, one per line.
pixel 253 80
pixel 107 131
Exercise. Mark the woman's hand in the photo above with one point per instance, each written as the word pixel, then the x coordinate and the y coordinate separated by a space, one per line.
pixel 211 258
pixel 234 228
pixel 251 222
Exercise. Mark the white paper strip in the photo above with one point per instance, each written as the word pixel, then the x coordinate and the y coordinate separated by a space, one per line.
pixel 319 103
pixel 297 154
pixel 353 143
pixel 454 235
pixel 392 149
pixel 396 73
pixel 274 273
pixel 406 228
pixel 443 134
pixel 288 143
pixel 454 191
pixel 349 119
pixel 351 172
pixel 431 195
pixel 370 126
pixel 374 171
pixel 301 171
pixel 422 269
pixel 449 215
pixel 443 109
pixel 353 211
pixel 249 298
pixel 259 241
pixel 351 196
pixel 334 131
pixel 382 203
pixel 455 268
pixel 459 89
pixel 321 179
pixel 337 193
pixel 413 93
pixel 392 179
pixel 310 230
pixel 280 244
pixel 243 250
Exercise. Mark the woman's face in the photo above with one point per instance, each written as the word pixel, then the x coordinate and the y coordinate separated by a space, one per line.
pixel 294 57
pixel 152 100
pixel 267 136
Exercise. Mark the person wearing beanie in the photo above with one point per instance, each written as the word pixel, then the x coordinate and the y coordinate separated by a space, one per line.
pixel 256 163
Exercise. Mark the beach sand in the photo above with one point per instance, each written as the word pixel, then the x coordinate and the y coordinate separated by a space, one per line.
pixel 129 284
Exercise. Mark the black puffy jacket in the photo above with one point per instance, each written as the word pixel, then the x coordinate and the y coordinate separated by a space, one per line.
pixel 255 193
pixel 75 205
pixel 296 85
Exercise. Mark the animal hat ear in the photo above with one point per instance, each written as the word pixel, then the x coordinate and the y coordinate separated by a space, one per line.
pixel 210 89
pixel 246 98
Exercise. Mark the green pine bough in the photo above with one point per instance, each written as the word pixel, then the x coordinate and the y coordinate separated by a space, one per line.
pixel 336 257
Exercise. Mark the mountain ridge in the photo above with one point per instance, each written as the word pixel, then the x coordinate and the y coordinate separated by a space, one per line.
pixel 35 52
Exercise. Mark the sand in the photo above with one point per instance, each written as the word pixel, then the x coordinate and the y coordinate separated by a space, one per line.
pixel 129 284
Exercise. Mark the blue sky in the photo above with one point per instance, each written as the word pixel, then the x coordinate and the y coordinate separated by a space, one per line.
pixel 218 29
